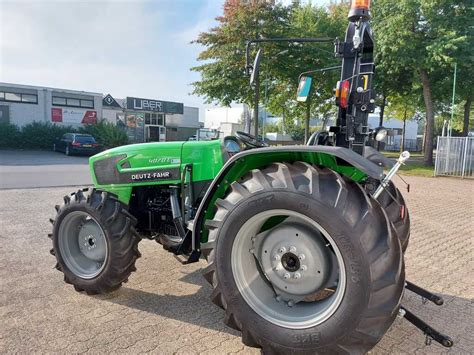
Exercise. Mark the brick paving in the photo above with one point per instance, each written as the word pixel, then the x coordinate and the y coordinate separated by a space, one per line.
pixel 165 306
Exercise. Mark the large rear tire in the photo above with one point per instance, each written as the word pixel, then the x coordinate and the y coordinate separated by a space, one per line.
pixel 94 241
pixel 394 205
pixel 342 232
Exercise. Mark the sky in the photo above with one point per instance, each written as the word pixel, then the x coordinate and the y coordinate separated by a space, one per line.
pixel 125 48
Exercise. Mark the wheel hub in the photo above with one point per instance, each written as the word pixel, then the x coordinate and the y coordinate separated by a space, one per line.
pixel 276 269
pixel 82 244
pixel 294 258
pixel 91 241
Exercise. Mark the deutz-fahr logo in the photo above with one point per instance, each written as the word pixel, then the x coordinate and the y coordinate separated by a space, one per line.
pixel 151 176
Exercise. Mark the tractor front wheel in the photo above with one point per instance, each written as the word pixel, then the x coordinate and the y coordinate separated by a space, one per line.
pixel 304 261
pixel 94 241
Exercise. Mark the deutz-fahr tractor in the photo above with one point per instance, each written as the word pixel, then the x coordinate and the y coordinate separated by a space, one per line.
pixel 304 244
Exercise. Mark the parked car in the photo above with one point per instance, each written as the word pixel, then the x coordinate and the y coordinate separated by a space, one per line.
pixel 76 143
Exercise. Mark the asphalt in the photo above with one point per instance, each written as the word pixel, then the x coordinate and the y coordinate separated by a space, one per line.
pixel 34 169
pixel 165 307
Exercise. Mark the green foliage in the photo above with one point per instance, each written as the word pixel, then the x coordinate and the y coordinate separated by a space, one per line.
pixel 106 133
pixel 41 135
pixel 296 133
pixel 9 135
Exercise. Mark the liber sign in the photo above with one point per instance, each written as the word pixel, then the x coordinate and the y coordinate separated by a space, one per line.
pixel 140 104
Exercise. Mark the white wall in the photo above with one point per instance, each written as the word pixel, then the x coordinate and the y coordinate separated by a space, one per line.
pixel 215 117
pixel 110 114
pixel 189 118
pixel 411 128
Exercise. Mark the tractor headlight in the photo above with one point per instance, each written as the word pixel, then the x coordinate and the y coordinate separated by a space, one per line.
pixel 380 134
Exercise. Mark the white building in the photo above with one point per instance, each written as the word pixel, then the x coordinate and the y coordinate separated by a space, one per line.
pixel 227 120
pixel 395 127
pixel 23 104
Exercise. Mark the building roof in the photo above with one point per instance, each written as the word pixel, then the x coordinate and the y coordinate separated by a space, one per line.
pixel 21 86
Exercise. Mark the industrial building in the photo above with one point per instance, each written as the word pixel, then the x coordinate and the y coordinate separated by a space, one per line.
pixel 23 104
pixel 143 119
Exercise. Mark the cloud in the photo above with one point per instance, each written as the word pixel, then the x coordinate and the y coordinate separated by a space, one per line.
pixel 74 43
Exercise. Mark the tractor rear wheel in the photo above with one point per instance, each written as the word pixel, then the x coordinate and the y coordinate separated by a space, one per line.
pixel 94 241
pixel 394 205
pixel 302 260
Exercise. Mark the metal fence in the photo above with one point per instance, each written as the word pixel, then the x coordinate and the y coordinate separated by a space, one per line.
pixel 455 157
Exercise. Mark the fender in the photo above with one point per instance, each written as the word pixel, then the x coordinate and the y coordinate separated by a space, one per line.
pixel 342 160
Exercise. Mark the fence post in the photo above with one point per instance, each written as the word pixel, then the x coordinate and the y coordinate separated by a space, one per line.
pixel 437 158
pixel 464 157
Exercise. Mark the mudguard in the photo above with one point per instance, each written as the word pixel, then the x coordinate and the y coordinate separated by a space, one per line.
pixel 342 160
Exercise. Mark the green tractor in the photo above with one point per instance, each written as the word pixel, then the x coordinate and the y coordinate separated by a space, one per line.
pixel 304 244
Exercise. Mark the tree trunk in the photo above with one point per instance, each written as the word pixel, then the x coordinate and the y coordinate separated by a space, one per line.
pixel 428 139
pixel 306 121
pixel 467 111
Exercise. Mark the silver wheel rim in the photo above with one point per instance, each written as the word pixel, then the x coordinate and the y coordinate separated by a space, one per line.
pixel 82 244
pixel 283 293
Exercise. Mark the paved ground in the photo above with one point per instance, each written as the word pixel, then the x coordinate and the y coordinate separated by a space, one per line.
pixel 165 307
pixel 31 168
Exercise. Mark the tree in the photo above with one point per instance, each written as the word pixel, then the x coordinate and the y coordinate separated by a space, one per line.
pixel 423 36
pixel 223 78
pixel 404 108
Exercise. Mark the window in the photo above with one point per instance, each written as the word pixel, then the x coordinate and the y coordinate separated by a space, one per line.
pixel 147 118
pixel 87 103
pixel 84 139
pixel 10 96
pixel 29 98
pixel 73 102
pixel 161 119
pixel 59 100
pixel 18 97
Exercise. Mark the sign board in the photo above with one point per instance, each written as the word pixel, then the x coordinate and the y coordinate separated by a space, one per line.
pixel 109 101
pixel 136 103
pixel 73 115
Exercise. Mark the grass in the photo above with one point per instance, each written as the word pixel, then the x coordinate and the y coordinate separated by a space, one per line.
pixel 416 169
pixel 397 154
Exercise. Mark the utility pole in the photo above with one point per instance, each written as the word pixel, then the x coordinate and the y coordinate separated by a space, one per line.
pixel 452 101
pixel 306 121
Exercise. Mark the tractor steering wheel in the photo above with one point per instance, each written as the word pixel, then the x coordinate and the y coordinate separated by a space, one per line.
pixel 249 140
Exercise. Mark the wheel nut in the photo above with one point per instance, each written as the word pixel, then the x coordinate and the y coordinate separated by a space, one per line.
pixel 287 275
pixel 293 249
pixel 304 267
pixel 297 275
pixel 291 303
pixel 278 298
pixel 252 250
pixel 277 257
pixel 282 250
pixel 301 257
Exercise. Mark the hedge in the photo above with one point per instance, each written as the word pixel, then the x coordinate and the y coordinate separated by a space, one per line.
pixel 41 135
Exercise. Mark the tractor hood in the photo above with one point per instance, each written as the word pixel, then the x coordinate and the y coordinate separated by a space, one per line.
pixel 156 162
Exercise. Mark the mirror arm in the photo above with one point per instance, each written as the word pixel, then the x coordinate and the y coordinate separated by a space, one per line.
pixel 338 67
pixel 248 66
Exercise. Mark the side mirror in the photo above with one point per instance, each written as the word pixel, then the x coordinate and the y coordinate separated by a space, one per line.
pixel 304 88
pixel 256 67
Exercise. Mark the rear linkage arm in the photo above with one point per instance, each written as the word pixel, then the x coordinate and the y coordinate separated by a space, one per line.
pixel 430 332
